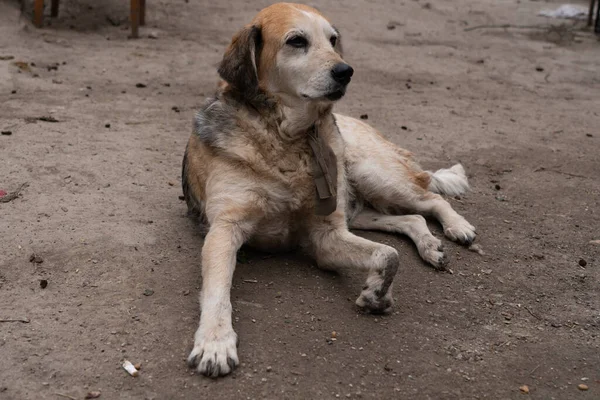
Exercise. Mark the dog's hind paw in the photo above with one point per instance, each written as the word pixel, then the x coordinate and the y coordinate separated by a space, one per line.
pixel 460 231
pixel 214 357
pixel 432 251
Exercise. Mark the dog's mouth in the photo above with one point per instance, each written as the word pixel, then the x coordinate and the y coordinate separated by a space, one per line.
pixel 331 96
pixel 336 95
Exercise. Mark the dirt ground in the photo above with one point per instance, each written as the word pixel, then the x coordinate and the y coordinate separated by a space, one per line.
pixel 518 107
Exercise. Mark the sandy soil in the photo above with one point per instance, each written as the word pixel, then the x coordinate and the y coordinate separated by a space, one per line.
pixel 518 107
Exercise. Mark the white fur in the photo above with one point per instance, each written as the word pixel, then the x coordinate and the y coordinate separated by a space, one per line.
pixel 451 181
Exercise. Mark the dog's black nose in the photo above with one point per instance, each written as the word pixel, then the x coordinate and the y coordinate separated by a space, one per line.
pixel 342 73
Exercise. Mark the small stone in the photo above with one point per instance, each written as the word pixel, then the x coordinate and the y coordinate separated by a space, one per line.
pixel 539 69
pixel 148 292
pixel 7 133
pixel 582 262
pixel 43 283
pixel 524 389
pixel 34 258
pixel 391 26
pixel 364 116
pixel 497 187
pixel 153 35
pixel 582 386
pixel 107 125
pixel 140 85
pixel 93 395
pixel 589 135
pixel 334 335
pixel 269 368
pixel 404 128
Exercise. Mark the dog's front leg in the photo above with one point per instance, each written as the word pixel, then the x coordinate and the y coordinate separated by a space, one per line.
pixel 335 248
pixel 215 344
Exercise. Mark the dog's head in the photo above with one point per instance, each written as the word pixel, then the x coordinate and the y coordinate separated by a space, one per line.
pixel 290 51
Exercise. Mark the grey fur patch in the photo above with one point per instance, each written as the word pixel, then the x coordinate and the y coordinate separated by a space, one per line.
pixel 214 122
pixel 195 208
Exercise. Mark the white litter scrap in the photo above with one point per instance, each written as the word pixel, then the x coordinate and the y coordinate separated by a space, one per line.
pixel 130 368
pixel 567 11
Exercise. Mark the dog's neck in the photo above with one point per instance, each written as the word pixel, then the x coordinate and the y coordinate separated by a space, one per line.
pixel 298 117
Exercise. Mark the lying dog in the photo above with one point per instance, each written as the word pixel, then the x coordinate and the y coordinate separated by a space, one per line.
pixel 270 165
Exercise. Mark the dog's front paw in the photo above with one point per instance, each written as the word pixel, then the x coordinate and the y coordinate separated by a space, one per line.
pixel 214 355
pixel 460 231
pixel 373 301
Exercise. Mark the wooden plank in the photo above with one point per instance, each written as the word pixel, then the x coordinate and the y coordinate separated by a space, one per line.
pixel 38 13
pixel 135 18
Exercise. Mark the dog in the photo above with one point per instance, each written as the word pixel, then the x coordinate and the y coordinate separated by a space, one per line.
pixel 270 165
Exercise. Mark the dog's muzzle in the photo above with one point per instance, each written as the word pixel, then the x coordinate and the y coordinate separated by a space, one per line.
pixel 342 73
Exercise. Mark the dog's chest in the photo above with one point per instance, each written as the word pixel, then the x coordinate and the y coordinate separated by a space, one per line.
pixel 291 166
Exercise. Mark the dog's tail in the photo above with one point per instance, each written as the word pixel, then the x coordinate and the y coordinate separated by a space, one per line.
pixel 452 181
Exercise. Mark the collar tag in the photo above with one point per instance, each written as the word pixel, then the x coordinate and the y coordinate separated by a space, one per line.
pixel 325 174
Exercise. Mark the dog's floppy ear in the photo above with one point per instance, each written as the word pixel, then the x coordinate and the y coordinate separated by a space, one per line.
pixel 239 64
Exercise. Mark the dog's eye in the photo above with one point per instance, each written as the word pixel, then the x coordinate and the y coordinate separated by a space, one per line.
pixel 297 41
pixel 333 40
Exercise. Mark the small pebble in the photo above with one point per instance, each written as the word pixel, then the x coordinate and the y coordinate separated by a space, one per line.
pixel 497 187
pixel 43 283
pixel 589 135
pixel 148 292
pixel 107 125
pixel 140 85
pixel 34 258
pixel 524 389
pixel 404 128
pixel 93 395
pixel 7 133
pixel 539 69
pixel 582 262
pixel 582 386
pixel 364 116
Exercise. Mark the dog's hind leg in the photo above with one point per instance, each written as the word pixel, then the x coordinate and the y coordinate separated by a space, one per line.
pixel 387 177
pixel 337 248
pixel 413 226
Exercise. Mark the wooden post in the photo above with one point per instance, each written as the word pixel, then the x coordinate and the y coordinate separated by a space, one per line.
pixel 142 12
pixel 135 18
pixel 54 8
pixel 38 13
pixel 597 24
pixel 591 12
